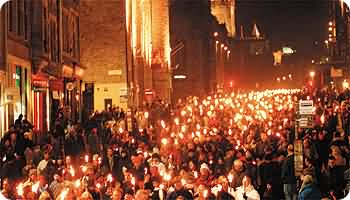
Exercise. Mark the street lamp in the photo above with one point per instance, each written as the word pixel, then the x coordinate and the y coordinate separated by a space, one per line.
pixel 216 34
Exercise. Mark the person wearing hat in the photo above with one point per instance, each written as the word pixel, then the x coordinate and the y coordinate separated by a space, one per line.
pixel 205 176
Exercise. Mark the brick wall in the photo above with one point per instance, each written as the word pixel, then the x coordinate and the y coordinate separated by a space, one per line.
pixel 102 38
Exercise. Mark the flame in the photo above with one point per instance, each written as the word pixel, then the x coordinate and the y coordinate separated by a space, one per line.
pixel 164 141
pixel 83 168
pixel 162 123
pixel 109 178
pixel 71 171
pixel 183 181
pixel 19 188
pixel 195 174
pixel 230 177
pixel 64 194
pixel 133 181
pixel 35 187
pixel 77 183
pixel 322 119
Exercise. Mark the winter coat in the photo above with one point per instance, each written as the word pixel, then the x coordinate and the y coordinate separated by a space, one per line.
pixel 309 192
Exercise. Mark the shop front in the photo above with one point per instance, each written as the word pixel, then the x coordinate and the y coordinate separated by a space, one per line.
pixel 41 105
pixel 72 92
pixel 56 98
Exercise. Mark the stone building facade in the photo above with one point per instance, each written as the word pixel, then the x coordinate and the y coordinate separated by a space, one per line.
pixel 35 65
pixel 103 52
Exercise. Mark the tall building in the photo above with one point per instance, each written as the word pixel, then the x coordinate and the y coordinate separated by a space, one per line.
pixel 224 11
pixel 56 73
pixel 191 37
pixel 39 45
pixel 103 52
pixel 148 41
pixel 15 57
pixel 335 66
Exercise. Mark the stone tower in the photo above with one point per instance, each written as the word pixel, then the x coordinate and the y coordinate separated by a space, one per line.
pixel 148 39
pixel 224 11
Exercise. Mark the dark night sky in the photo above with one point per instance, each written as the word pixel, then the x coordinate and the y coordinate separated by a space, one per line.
pixel 298 23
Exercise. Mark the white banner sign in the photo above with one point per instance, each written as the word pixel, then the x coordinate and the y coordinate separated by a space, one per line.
pixel 306 107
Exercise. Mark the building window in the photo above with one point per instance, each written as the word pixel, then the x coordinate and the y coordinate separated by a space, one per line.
pixel 54 42
pixel 76 38
pixel 11 20
pixel 45 31
pixel 65 33
pixel 26 19
pixel 20 17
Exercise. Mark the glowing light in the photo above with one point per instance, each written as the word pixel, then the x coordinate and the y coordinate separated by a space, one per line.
pixel 64 194
pixel 164 141
pixel 162 123
pixel 195 174
pixel 205 193
pixel 312 74
pixel 176 120
pixel 230 177
pixel 322 119
pixel 35 187
pixel 133 181
pixel 19 188
pixel 71 171
pixel 183 181
pixel 77 183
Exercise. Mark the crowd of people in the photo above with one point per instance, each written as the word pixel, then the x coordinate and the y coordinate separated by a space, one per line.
pixel 232 145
